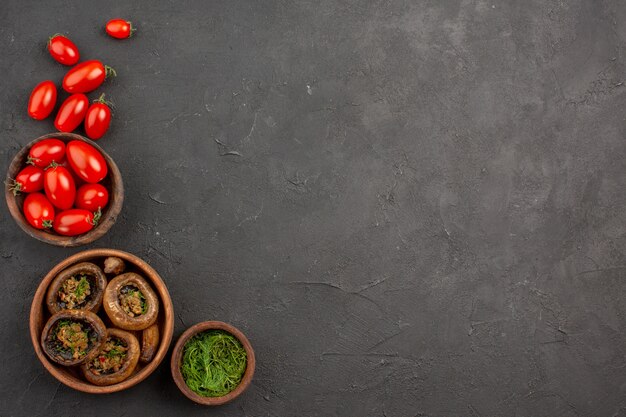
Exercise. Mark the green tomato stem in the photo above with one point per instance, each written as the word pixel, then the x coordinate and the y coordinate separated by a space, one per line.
pixel 109 71
pixel 54 36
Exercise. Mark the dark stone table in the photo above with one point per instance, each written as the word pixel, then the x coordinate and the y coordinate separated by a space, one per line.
pixel 412 208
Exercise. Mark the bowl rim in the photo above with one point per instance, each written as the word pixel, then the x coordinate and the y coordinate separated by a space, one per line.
pixel 177 356
pixel 116 196
pixel 166 336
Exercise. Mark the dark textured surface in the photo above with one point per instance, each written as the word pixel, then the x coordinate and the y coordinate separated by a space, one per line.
pixel 425 215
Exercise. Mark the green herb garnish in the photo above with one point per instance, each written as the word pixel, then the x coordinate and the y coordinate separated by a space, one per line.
pixel 63 323
pixel 82 286
pixel 114 352
pixel 213 363
pixel 70 339
pixel 139 294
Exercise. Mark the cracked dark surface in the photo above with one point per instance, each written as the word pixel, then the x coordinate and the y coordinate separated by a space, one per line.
pixel 411 208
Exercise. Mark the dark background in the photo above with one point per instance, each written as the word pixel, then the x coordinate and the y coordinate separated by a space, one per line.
pixel 425 216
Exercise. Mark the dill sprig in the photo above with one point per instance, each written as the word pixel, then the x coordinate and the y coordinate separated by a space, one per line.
pixel 213 363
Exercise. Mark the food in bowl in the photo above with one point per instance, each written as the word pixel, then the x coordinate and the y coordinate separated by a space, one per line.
pixel 71 337
pixel 150 338
pixel 79 287
pixel 73 376
pixel 114 265
pixel 130 302
pixel 65 182
pixel 116 361
pixel 213 363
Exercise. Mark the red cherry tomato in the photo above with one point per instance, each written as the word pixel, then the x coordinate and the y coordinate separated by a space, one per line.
pixel 92 197
pixel 86 161
pixel 42 100
pixel 60 187
pixel 86 76
pixel 63 50
pixel 74 222
pixel 28 180
pixel 78 181
pixel 120 28
pixel 38 211
pixel 98 119
pixel 71 113
pixel 45 152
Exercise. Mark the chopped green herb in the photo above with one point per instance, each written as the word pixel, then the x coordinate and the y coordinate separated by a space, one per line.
pixel 114 352
pixel 83 285
pixel 63 323
pixel 213 363
pixel 139 294
pixel 71 337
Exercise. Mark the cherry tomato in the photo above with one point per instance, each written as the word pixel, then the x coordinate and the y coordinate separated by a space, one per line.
pixel 71 113
pixel 120 28
pixel 28 180
pixel 86 161
pixel 38 211
pixel 74 222
pixel 60 187
pixel 86 76
pixel 63 50
pixel 92 197
pixel 45 152
pixel 98 119
pixel 78 181
pixel 42 100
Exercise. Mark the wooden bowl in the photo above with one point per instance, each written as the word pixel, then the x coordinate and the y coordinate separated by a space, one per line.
pixel 113 183
pixel 71 376
pixel 178 353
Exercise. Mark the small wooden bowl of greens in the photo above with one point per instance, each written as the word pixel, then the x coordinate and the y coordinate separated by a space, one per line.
pixel 212 363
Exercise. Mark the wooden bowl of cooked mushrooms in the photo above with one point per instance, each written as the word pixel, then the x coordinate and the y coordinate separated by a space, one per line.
pixel 101 321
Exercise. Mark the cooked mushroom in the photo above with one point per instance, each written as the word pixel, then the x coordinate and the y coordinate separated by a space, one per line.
pixel 130 303
pixel 79 287
pixel 71 337
pixel 149 343
pixel 114 265
pixel 116 361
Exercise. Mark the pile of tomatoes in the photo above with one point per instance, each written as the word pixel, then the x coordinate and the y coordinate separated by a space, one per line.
pixel 80 79
pixel 70 177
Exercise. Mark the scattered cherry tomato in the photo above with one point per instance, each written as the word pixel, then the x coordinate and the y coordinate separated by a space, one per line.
pixel 98 118
pixel 28 180
pixel 45 152
pixel 86 76
pixel 74 222
pixel 38 211
pixel 92 197
pixel 120 28
pixel 86 161
pixel 60 187
pixel 71 113
pixel 42 100
pixel 63 50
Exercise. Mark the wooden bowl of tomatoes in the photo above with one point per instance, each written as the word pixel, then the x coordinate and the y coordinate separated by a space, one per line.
pixel 64 190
